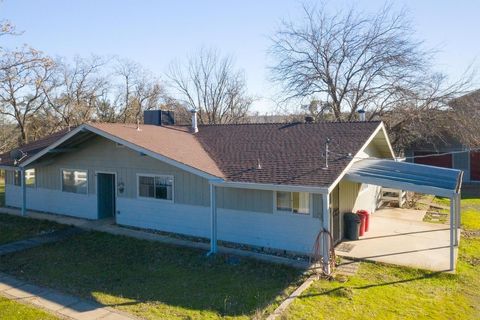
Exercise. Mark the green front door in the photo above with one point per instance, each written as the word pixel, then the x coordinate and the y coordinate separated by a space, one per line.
pixel 106 195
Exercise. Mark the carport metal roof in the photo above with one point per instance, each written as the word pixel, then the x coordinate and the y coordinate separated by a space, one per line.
pixel 406 176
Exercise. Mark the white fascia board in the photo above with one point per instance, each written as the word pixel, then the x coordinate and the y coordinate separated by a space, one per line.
pixel 152 154
pixel 270 187
pixel 401 185
pixel 392 153
pixel 123 142
pixel 365 145
pixel 53 146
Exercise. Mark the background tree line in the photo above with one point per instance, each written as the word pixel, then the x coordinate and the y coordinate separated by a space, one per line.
pixel 40 94
pixel 339 63
pixel 331 64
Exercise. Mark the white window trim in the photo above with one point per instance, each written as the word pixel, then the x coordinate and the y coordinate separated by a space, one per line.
pixel 291 213
pixel 69 169
pixel 14 174
pixel 35 184
pixel 156 175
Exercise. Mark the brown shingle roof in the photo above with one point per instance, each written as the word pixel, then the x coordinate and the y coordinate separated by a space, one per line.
pixel 289 154
pixel 175 143
pixel 33 148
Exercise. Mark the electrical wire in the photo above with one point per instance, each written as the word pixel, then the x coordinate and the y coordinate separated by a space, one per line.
pixel 410 157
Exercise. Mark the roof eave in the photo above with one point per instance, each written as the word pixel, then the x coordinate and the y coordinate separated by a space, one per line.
pixel 87 127
pixel 271 187
pixel 381 127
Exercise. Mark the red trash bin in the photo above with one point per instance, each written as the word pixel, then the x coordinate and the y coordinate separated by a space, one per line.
pixel 367 218
pixel 363 219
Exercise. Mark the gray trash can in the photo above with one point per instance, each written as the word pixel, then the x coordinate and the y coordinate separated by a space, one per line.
pixel 352 225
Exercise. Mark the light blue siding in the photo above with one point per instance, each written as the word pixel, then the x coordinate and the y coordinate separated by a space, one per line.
pixel 245 199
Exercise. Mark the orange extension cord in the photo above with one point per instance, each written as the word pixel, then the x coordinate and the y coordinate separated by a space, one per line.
pixel 324 236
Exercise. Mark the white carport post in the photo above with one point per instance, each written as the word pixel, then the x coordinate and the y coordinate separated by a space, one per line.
pixel 453 232
pixel 213 219
pixel 326 226
pixel 457 215
pixel 24 191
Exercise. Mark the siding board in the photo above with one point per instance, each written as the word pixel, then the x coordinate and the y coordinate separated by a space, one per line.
pixel 245 199
pixel 99 154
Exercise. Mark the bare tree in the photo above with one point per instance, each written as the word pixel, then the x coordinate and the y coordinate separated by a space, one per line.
pixel 6 28
pixel 77 90
pixel 138 90
pixel 349 60
pixel 24 75
pixel 210 84
pixel 422 113
pixel 7 135
pixel 465 113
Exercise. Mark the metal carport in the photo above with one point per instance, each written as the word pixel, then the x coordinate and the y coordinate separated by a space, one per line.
pixel 418 178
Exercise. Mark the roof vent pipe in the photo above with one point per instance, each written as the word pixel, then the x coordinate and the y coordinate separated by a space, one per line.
pixel 327 151
pixel 194 127
pixel 361 114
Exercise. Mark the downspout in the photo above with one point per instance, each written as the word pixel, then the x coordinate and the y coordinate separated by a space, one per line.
pixel 326 226
pixel 24 191
pixel 459 220
pixel 213 220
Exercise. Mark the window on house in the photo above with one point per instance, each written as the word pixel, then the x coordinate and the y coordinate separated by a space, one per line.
pixel 75 181
pixel 294 202
pixel 156 187
pixel 29 178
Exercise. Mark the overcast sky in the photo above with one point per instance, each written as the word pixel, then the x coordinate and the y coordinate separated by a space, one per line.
pixel 154 33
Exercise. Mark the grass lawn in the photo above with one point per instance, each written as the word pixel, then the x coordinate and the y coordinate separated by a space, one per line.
pixel 470 212
pixel 386 292
pixel 154 280
pixel 2 192
pixel 12 310
pixel 13 228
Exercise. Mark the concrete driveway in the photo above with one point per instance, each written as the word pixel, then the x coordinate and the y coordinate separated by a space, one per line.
pixel 400 237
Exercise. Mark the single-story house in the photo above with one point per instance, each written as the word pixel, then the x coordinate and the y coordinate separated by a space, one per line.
pixel 269 185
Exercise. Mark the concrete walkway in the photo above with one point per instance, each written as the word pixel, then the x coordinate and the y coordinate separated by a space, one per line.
pixel 59 304
pixel 39 240
pixel 109 226
pixel 277 313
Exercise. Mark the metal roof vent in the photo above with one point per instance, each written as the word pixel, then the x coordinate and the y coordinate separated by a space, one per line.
pixel 361 114
pixel 158 117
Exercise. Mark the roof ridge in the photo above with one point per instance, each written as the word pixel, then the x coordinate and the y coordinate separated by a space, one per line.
pixel 286 123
